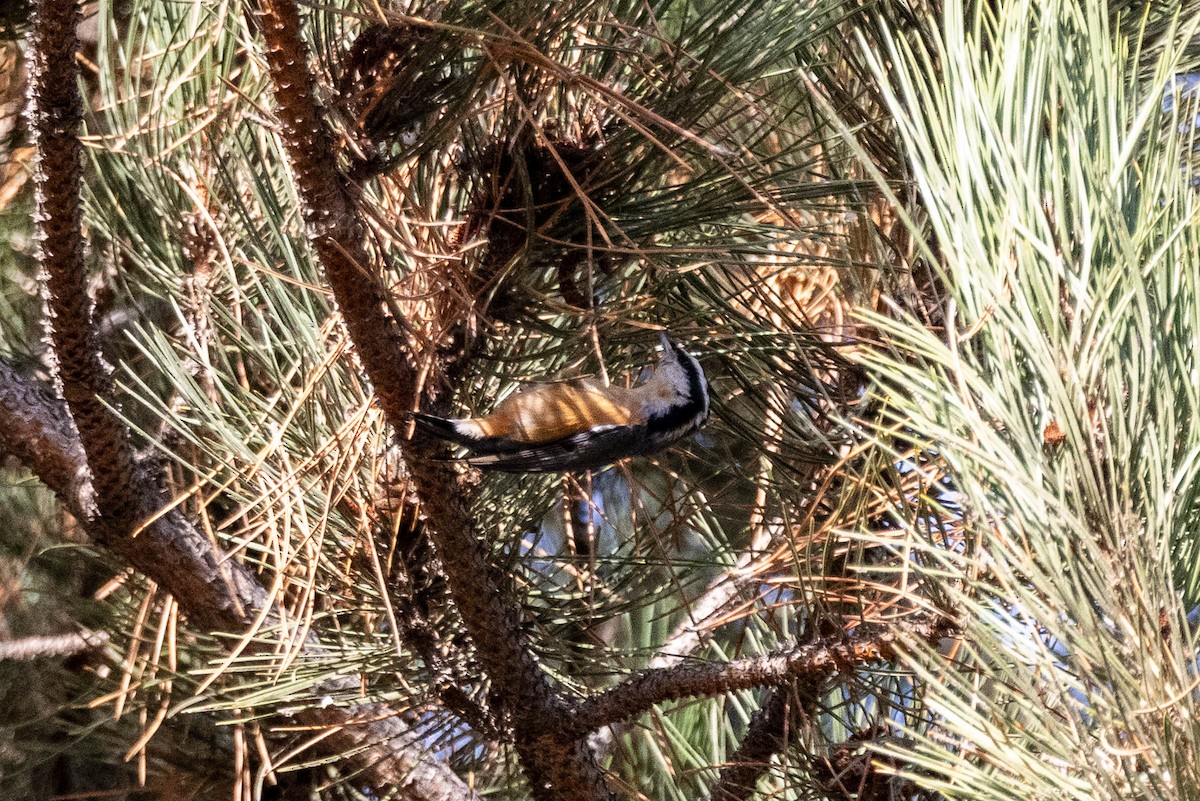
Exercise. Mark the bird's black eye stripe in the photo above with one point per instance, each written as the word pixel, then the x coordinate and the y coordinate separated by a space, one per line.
pixel 691 412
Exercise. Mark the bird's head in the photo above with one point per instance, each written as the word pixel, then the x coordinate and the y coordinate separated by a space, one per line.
pixel 676 396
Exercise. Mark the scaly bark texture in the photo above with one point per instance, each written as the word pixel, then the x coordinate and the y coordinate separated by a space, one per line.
pixel 84 453
pixel 55 117
pixel 557 761
pixel 810 663
pixel 216 594
pixel 766 736
pixel 51 646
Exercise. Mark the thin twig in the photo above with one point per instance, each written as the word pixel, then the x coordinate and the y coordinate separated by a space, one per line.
pixel 55 645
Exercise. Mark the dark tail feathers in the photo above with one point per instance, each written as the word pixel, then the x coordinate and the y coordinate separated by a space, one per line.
pixel 440 427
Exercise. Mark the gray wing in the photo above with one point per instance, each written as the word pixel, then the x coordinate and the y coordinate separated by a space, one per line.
pixel 587 450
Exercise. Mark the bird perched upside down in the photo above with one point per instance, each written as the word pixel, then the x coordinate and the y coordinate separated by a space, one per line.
pixel 582 425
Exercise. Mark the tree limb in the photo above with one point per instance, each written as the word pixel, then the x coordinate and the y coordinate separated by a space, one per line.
pixel 766 736
pixel 559 764
pixel 55 115
pixel 83 451
pixel 810 663
pixel 217 594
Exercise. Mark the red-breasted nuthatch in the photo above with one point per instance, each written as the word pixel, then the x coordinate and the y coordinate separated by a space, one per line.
pixel 581 425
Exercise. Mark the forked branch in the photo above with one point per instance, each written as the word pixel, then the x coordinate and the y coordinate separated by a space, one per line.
pixel 82 450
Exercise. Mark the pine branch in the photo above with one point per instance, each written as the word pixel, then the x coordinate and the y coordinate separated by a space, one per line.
pixel 702 613
pixel 55 116
pixel 688 636
pixel 54 645
pixel 217 594
pixel 806 663
pixel 766 736
pixel 417 587
pixel 36 428
pixel 558 763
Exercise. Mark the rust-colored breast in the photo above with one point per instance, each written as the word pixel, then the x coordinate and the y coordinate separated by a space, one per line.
pixel 551 412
